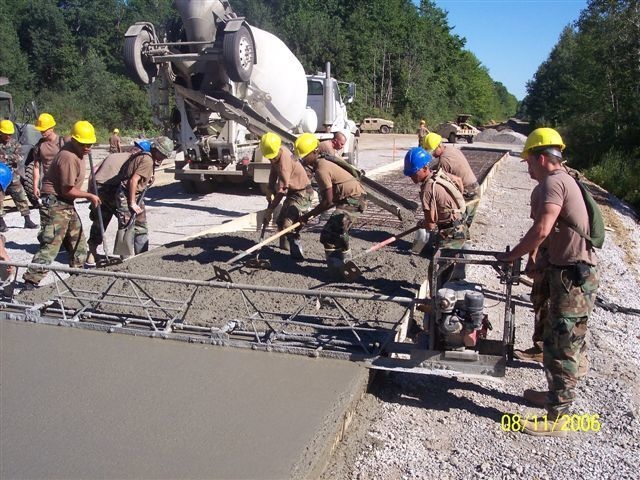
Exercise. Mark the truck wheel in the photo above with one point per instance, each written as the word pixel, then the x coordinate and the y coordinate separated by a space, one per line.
pixel 384 129
pixel 470 139
pixel 188 186
pixel 139 67
pixel 239 54
pixel 352 156
pixel 452 138
pixel 27 184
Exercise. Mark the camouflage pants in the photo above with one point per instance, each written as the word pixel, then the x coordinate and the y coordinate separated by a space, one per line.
pixel 335 234
pixel 295 204
pixel 570 305
pixel 18 194
pixel 59 221
pixel 114 203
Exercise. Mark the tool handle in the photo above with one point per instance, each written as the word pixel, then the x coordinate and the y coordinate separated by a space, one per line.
pixel 264 242
pixel 389 240
pixel 98 209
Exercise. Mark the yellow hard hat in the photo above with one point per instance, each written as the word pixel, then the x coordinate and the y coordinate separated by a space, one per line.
pixel 45 122
pixel 542 137
pixel 431 141
pixel 83 132
pixel 115 130
pixel 305 144
pixel 270 145
pixel 6 127
pixel 422 122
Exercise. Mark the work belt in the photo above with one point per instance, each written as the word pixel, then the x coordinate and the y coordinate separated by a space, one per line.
pixel 577 272
pixel 450 225
pixel 353 204
pixel 51 200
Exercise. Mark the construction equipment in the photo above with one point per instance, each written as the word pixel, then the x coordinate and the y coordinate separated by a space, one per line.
pixel 350 270
pixel 257 262
pixel 461 128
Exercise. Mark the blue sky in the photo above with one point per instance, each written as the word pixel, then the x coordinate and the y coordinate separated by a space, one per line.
pixel 511 37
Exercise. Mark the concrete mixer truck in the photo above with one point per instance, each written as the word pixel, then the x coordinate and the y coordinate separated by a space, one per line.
pixel 232 83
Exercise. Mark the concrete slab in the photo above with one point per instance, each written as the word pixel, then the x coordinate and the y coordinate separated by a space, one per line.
pixel 82 404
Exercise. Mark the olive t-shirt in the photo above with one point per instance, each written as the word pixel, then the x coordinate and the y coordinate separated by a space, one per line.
pixel 437 202
pixel 143 166
pixel 288 173
pixel 566 246
pixel 107 171
pixel 47 151
pixel 67 170
pixel 453 161
pixel 344 185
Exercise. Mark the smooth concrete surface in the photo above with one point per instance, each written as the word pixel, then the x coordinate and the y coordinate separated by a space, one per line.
pixel 83 404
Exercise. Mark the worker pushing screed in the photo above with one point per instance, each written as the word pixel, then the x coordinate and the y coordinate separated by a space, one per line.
pixel 336 187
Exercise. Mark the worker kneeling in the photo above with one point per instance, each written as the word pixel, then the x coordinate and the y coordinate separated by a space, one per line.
pixel 336 187
pixel 121 181
pixel 288 180
pixel 443 205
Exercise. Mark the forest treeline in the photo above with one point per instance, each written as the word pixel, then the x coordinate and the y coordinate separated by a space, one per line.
pixel 589 88
pixel 403 57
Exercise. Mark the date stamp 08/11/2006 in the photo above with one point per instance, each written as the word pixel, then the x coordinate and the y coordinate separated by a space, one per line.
pixel 514 422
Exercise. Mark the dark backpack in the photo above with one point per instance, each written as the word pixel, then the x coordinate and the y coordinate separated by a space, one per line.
pixel 596 222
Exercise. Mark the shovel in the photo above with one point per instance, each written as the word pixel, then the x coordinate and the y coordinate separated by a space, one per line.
pixel 350 270
pixel 256 262
pixel 105 261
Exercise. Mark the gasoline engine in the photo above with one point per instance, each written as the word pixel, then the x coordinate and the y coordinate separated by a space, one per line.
pixel 460 320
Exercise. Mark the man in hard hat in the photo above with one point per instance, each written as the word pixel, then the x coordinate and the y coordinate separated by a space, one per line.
pixel 451 160
pixel 336 187
pixel 334 145
pixel 60 188
pixel 442 203
pixel 10 155
pixel 571 276
pixel 287 179
pixel 422 132
pixel 114 142
pixel 120 180
pixel 6 176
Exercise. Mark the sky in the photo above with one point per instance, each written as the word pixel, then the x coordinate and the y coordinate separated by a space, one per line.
pixel 511 37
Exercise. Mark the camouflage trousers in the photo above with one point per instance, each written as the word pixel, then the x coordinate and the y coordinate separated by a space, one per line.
pixel 59 222
pixel 115 203
pixel 18 194
pixel 570 304
pixel 335 234
pixel 295 204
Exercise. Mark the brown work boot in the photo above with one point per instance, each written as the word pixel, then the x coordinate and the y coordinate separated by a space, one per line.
pixel 546 428
pixel 533 354
pixel 535 397
pixel 90 262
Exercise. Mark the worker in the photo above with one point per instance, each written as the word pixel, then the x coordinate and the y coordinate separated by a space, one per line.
pixel 422 132
pixel 120 179
pixel 333 145
pixel 336 187
pixel 60 188
pixel 451 160
pixel 571 276
pixel 6 176
pixel 114 142
pixel 11 155
pixel 287 179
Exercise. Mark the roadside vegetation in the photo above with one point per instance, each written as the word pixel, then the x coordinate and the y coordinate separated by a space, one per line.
pixel 67 55
pixel 589 88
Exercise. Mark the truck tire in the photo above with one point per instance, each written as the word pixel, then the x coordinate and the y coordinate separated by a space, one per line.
pixel 239 54
pixel 27 184
pixel 139 68
pixel 188 186
pixel 384 129
pixel 352 155
pixel 470 139
pixel 452 138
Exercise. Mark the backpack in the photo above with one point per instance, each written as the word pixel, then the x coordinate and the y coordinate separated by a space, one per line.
pixel 596 222
pixel 441 178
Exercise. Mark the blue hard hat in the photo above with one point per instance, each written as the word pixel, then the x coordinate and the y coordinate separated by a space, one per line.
pixel 415 160
pixel 6 175
pixel 144 145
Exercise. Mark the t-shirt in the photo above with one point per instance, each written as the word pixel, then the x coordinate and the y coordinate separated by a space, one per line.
pixel 453 161
pixel 565 245
pixel 47 151
pixel 107 171
pixel 67 170
pixel 542 256
pixel 287 173
pixel 437 202
pixel 143 166
pixel 344 185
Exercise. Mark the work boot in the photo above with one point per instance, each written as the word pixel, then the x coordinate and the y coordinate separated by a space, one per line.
pixel 551 427
pixel 90 262
pixel 3 226
pixel 28 223
pixel 532 354
pixel 284 244
pixel 295 248
pixel 335 262
pixel 535 397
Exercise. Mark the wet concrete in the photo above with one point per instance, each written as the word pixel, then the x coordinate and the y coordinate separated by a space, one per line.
pixel 83 404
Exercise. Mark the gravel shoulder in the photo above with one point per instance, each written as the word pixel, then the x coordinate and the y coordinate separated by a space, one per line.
pixel 410 426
